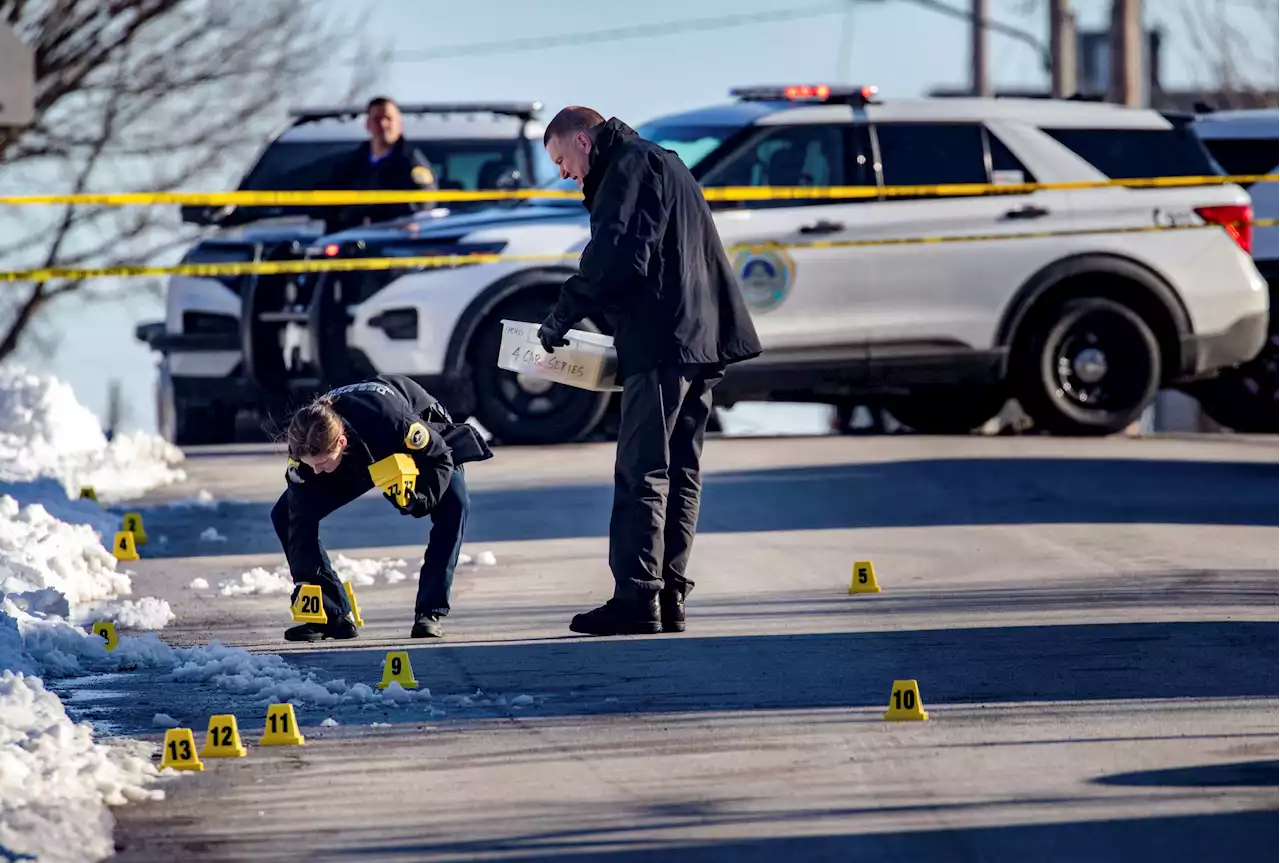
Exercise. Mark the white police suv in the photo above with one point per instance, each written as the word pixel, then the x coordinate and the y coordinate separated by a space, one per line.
pixel 202 384
pixel 1245 143
pixel 1073 301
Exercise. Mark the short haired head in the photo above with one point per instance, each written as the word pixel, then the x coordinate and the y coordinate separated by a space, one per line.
pixel 569 138
pixel 317 436
pixel 383 122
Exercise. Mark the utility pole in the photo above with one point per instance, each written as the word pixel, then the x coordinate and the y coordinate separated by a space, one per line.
pixel 1126 52
pixel 1062 49
pixel 979 78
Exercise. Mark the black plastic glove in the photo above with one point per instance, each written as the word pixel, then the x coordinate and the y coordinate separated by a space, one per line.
pixel 415 506
pixel 551 334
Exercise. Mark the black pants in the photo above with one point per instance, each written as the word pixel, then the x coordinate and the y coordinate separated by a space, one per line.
pixel 296 517
pixel 657 479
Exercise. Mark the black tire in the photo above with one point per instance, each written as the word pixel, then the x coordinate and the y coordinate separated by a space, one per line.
pixel 1244 398
pixel 949 411
pixel 511 411
pixel 1089 366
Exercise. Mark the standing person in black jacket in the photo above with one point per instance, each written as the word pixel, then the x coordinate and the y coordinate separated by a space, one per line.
pixel 332 443
pixel 655 268
pixel 385 162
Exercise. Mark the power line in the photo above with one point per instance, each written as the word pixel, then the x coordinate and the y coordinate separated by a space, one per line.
pixel 614 34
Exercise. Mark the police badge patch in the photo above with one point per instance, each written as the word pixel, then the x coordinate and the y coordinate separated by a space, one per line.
pixel 291 472
pixel 417 437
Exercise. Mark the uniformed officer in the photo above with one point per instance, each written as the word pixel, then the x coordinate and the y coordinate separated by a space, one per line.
pixel 332 442
pixel 384 162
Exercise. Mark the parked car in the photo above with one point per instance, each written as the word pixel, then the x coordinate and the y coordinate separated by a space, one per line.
pixel 203 390
pixel 1069 300
pixel 1245 143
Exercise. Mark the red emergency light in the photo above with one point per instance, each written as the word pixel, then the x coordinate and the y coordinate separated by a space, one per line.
pixel 819 93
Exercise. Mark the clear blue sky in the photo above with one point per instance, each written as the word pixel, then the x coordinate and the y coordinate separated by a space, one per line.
pixel 903 48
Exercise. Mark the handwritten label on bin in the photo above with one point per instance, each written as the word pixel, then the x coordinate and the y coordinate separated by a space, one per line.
pixel 535 358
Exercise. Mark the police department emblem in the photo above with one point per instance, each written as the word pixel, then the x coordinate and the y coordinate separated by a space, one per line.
pixel 764 275
pixel 291 472
pixel 417 437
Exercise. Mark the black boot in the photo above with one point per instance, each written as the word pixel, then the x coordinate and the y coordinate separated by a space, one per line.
pixel 621 617
pixel 427 626
pixel 340 629
pixel 671 602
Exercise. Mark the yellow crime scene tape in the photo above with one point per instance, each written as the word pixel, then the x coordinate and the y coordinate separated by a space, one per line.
pixel 319 198
pixel 325 265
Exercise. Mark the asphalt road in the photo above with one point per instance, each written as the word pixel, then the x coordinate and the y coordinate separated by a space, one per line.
pixel 1093 626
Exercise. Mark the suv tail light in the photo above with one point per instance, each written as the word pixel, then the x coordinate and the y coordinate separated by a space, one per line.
pixel 1237 219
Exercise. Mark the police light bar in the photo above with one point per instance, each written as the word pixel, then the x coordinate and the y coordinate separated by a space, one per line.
pixel 819 93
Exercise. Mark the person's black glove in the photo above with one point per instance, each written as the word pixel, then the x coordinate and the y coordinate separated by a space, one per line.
pixel 416 504
pixel 551 334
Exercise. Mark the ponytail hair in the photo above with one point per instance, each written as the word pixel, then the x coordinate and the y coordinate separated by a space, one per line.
pixel 314 430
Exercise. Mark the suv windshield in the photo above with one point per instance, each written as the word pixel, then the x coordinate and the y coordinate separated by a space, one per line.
pixel 691 143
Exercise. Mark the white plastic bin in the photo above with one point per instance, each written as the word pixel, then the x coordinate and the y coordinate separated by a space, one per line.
pixel 588 362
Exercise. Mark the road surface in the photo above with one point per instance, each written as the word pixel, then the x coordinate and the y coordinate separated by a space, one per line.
pixel 1092 625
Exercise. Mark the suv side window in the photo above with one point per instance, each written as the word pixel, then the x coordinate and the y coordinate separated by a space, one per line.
pixel 1130 154
pixel 927 154
pixel 1243 156
pixel 811 155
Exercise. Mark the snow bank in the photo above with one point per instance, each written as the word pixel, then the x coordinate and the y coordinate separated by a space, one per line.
pixel 56 781
pixel 257 582
pixel 45 432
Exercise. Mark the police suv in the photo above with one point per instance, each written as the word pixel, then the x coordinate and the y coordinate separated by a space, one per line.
pixel 1081 303
pixel 202 387
pixel 1245 142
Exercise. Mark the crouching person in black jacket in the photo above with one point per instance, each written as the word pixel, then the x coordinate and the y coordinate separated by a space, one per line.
pixel 656 270
pixel 332 442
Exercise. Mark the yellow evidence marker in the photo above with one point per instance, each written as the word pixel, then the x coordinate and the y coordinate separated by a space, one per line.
pixel 87 493
pixel 396 669
pixel 223 738
pixel 309 607
pixel 133 524
pixel 107 630
pixel 351 600
pixel 397 475
pixel 904 702
pixel 124 547
pixel 864 578
pixel 180 750
pixel 281 728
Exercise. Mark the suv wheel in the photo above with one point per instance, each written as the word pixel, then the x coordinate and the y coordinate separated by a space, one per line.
pixel 1244 399
pixel 948 411
pixel 1089 367
pixel 519 409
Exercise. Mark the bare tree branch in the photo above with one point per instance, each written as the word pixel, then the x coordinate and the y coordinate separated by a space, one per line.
pixel 146 95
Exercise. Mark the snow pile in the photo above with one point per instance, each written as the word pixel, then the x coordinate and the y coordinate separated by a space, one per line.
pixel 365 571
pixel 258 582
pixel 45 432
pixel 486 558
pixel 56 782
pixel 39 551
pixel 210 534
pixel 145 613
pixel 202 500
pixel 362 572
pixel 164 720
pixel 198 584
pixel 329 722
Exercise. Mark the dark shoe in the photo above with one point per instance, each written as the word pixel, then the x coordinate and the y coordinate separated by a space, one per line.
pixel 618 617
pixel 427 626
pixel 671 603
pixel 305 632
pixel 341 629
